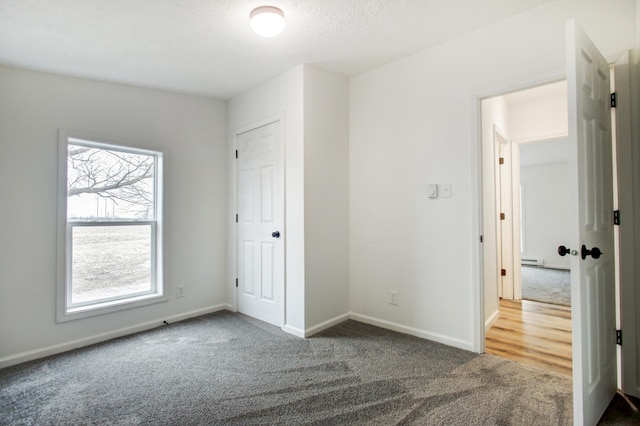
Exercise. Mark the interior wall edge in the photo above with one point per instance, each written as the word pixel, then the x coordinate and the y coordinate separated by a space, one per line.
pixel 295 331
pixel 310 331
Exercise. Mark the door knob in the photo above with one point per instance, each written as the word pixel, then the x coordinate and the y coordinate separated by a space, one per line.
pixel 594 252
pixel 275 234
pixel 563 251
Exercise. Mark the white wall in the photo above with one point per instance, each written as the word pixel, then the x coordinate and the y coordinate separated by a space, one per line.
pixel 189 130
pixel 326 188
pixel 412 122
pixel 282 95
pixel 538 119
pixel 546 223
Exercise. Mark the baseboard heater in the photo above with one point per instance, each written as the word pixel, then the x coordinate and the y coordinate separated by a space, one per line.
pixel 529 261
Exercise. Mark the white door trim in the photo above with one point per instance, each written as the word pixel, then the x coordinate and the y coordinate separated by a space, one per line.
pixel 233 243
pixel 624 72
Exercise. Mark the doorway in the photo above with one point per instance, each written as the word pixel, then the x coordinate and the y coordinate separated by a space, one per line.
pixel 595 135
pixel 544 221
pixel 527 311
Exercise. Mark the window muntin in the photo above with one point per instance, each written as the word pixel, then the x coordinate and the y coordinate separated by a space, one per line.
pixel 112 234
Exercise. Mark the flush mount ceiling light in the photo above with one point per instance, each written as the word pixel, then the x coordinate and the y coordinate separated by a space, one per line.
pixel 267 21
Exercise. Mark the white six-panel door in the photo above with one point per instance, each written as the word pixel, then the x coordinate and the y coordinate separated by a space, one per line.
pixel 260 228
pixel 592 280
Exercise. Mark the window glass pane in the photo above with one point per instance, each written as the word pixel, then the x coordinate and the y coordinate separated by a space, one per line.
pixel 110 261
pixel 107 184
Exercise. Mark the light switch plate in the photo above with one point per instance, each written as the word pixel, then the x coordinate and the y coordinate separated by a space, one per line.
pixel 432 190
pixel 445 190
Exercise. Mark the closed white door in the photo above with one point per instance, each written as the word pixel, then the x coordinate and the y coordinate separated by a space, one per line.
pixel 592 260
pixel 261 223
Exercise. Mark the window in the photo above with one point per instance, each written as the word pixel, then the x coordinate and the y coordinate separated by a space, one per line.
pixel 110 236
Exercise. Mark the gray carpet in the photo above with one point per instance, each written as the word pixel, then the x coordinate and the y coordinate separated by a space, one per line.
pixel 546 285
pixel 226 368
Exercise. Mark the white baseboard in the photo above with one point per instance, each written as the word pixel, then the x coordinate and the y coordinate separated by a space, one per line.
pixel 378 323
pixel 316 328
pixel 492 319
pixel 326 324
pixel 552 266
pixel 75 344
pixel 456 343
pixel 67 346
pixel 293 330
pixel 563 267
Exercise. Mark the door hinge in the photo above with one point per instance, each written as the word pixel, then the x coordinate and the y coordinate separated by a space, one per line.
pixel 482 238
pixel 619 337
pixel 502 216
pixel 236 154
pixel 501 160
pixel 616 217
pixel 236 282
pixel 614 99
pixel 503 272
pixel 236 217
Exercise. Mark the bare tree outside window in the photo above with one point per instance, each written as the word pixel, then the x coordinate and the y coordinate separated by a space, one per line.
pixel 123 181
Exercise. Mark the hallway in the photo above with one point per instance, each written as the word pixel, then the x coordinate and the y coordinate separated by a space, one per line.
pixel 534 333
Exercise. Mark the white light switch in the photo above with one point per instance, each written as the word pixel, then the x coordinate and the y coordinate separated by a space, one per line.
pixel 445 190
pixel 432 190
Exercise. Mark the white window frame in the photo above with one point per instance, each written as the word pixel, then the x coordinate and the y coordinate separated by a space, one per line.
pixel 65 309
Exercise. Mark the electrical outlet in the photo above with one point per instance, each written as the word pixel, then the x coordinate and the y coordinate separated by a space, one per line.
pixel 393 299
pixel 179 291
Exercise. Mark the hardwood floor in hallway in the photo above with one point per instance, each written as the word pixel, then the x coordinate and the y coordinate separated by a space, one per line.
pixel 534 333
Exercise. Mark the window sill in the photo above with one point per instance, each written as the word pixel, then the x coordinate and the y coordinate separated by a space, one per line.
pixel 107 307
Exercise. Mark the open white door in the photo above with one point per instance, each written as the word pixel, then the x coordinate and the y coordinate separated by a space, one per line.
pixel 260 223
pixel 592 273
pixel 504 219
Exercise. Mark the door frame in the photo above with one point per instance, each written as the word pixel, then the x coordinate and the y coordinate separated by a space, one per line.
pixel 233 235
pixel 624 177
pixel 625 73
pixel 478 253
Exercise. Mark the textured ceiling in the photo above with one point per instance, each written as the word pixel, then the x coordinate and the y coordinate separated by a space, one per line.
pixel 206 47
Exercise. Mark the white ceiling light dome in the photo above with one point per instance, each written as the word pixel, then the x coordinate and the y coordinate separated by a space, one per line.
pixel 267 21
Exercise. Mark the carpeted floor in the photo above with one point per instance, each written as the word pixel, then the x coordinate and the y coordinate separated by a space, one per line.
pixel 546 285
pixel 226 368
